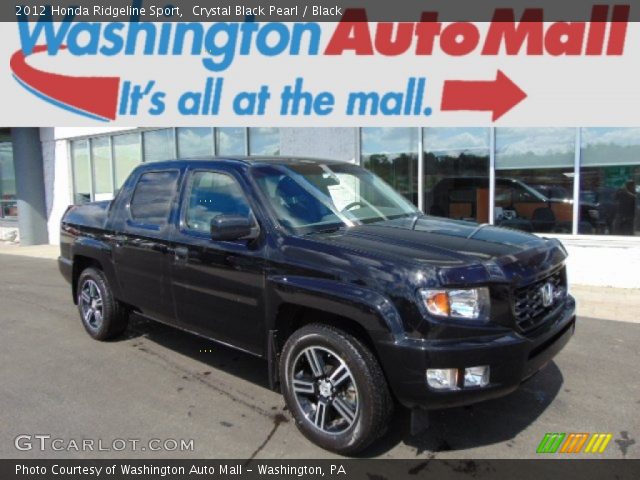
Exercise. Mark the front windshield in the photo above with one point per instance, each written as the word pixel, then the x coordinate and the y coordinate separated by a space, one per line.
pixel 311 196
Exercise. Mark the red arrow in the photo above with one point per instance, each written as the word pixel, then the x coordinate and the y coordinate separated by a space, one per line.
pixel 498 96
pixel 96 97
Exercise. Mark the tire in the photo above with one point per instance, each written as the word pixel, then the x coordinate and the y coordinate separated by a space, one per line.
pixel 102 316
pixel 341 400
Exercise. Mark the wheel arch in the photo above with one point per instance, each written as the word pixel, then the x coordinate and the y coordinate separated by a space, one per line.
pixel 92 253
pixel 298 301
pixel 292 317
pixel 369 309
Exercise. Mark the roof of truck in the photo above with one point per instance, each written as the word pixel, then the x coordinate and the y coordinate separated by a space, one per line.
pixel 283 160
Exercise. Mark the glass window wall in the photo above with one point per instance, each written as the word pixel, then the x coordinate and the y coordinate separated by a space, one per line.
pixel 534 179
pixel 264 141
pixel 231 141
pixel 8 205
pixel 610 180
pixel 101 159
pixel 81 165
pixel 158 145
pixel 195 142
pixel 126 155
pixel 392 153
pixel 456 173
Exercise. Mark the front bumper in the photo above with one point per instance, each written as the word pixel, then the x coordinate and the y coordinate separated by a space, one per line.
pixel 512 358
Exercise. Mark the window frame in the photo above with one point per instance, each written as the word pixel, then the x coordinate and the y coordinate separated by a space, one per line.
pixel 184 228
pixel 132 222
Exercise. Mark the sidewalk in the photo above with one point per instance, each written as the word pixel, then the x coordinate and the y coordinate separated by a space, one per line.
pixel 622 304
pixel 38 251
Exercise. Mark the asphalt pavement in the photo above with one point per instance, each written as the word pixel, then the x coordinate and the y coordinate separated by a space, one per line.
pixel 158 383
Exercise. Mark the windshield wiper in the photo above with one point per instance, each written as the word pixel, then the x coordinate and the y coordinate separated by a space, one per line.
pixel 331 229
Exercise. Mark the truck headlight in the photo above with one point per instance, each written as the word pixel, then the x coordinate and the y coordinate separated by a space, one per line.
pixel 465 303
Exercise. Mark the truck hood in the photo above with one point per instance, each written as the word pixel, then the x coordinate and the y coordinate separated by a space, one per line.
pixel 455 248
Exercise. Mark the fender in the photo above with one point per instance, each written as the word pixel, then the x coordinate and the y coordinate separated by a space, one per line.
pixel 373 311
pixel 99 250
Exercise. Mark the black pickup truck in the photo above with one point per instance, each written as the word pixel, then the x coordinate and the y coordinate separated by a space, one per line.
pixel 356 299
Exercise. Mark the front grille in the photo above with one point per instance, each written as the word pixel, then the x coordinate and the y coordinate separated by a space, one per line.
pixel 528 302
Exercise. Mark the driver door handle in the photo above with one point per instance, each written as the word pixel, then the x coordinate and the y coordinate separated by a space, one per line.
pixel 119 240
pixel 181 253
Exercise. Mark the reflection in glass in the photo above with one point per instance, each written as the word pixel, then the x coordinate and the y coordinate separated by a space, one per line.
pixel 195 142
pixel 101 156
pixel 230 141
pixel 610 179
pixel 126 155
pixel 314 197
pixel 534 179
pixel 212 194
pixel 158 145
pixel 81 171
pixel 456 173
pixel 392 153
pixel 264 141
pixel 151 200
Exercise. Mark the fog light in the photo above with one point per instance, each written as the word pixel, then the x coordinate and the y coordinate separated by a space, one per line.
pixel 476 376
pixel 442 378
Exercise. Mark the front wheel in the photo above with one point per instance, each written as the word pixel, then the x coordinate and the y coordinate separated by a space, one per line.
pixel 334 388
pixel 103 317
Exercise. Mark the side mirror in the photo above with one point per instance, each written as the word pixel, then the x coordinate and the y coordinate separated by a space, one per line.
pixel 232 227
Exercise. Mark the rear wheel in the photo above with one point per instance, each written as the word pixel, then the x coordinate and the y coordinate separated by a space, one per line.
pixel 103 317
pixel 334 388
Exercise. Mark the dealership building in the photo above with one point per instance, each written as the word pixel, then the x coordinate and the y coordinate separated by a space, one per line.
pixel 581 185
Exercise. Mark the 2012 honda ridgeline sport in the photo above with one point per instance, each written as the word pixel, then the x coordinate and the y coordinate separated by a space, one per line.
pixel 356 299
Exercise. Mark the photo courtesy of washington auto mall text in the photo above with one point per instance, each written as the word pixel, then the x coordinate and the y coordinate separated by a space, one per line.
pixel 339 240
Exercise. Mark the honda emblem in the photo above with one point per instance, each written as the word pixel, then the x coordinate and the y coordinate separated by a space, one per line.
pixel 546 292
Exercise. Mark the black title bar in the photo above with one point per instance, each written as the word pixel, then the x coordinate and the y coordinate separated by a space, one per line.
pixel 299 11
pixel 365 469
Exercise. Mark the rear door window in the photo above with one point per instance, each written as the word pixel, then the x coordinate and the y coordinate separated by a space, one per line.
pixel 152 198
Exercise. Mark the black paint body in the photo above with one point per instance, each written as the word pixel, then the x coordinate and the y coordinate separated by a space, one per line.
pixel 240 292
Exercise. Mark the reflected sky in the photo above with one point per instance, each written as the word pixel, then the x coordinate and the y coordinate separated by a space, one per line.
pixel 230 141
pixel 390 140
pixel 81 166
pixel 264 141
pixel 618 136
pixel 126 150
pixel 453 141
pixel 195 142
pixel 101 154
pixel 158 145
pixel 152 197
pixel 518 148
pixel 539 141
